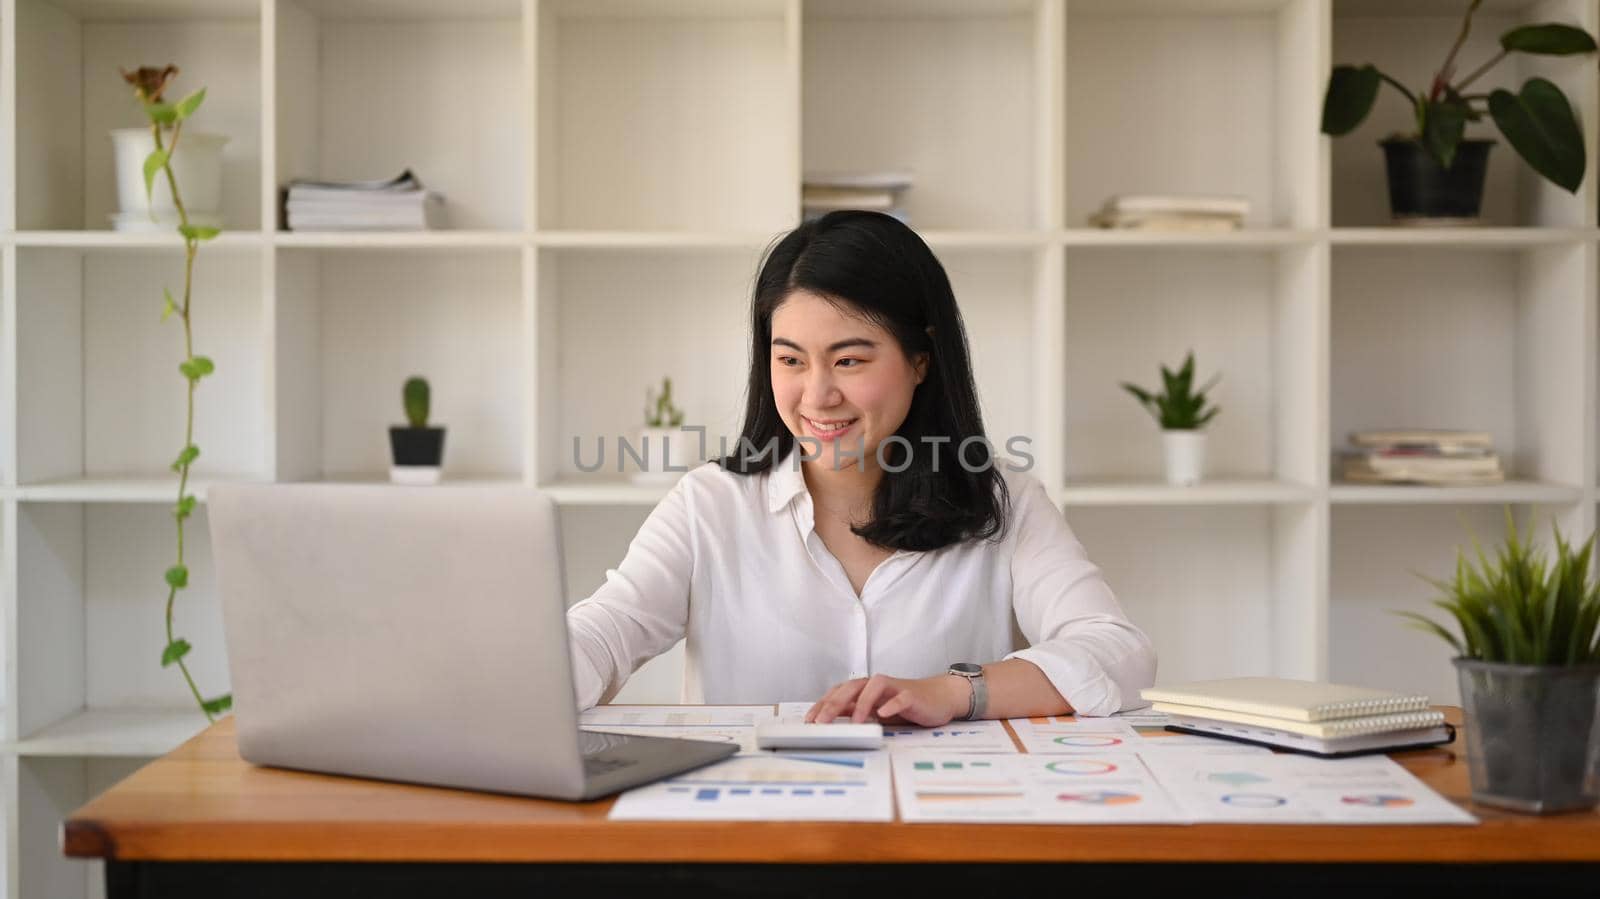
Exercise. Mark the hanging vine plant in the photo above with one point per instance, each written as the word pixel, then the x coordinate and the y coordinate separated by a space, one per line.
pixel 166 126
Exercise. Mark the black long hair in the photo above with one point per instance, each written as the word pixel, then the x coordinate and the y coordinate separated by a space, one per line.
pixel 871 265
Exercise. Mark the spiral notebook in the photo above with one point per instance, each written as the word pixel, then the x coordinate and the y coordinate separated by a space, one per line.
pixel 1322 730
pixel 1342 747
pixel 1284 698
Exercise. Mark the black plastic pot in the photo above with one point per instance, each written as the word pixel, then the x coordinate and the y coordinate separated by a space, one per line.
pixel 417 446
pixel 1420 188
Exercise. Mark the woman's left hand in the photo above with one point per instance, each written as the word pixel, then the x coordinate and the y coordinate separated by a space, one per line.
pixel 928 701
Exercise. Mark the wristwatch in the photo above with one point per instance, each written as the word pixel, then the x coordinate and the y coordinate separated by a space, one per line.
pixel 980 690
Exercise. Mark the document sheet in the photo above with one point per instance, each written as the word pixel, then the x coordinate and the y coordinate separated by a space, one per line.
pixel 1298 789
pixel 770 786
pixel 1105 788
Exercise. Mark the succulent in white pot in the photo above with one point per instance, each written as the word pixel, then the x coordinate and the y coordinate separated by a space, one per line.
pixel 663 444
pixel 1181 411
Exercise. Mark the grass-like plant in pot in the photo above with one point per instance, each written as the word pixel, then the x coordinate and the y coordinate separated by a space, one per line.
pixel 1435 172
pixel 1182 413
pixel 417 449
pixel 1528 662
pixel 663 445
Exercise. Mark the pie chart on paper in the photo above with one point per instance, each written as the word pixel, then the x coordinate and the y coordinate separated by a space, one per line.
pixel 1089 741
pixel 1081 766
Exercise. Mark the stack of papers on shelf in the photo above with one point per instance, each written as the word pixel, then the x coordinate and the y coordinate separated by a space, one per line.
pixel 1303 716
pixel 879 191
pixel 1172 212
pixel 397 204
pixel 1432 457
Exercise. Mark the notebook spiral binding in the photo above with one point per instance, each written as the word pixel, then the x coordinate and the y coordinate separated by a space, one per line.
pixel 1364 707
pixel 1362 726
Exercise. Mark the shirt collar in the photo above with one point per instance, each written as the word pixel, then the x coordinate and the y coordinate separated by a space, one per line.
pixel 785 481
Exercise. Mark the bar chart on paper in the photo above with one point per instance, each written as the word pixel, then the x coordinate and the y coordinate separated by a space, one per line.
pixel 812 786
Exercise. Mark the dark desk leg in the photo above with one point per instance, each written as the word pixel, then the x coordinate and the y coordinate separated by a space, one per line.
pixel 122 880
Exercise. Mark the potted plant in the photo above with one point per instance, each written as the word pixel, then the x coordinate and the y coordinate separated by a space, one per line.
pixel 662 445
pixel 1529 668
pixel 1182 414
pixel 196 162
pixel 418 450
pixel 1436 173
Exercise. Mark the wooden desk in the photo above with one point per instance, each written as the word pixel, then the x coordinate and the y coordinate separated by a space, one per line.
pixel 201 821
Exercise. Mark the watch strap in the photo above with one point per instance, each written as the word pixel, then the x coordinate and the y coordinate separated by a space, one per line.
pixel 978 703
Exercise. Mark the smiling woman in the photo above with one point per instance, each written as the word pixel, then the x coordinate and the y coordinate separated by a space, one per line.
pixel 864 546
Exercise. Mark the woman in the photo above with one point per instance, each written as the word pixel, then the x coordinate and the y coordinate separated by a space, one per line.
pixel 863 539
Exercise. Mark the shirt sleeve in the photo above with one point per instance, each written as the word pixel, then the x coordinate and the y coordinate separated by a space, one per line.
pixel 641 610
pixel 1080 638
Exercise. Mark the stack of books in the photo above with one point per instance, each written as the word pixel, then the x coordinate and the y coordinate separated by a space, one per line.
pixel 822 193
pixel 1172 212
pixel 396 204
pixel 1329 720
pixel 1442 458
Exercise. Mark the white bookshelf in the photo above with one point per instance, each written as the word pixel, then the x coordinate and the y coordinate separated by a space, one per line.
pixel 613 171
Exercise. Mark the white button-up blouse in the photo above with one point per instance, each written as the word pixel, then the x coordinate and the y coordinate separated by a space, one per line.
pixel 731 562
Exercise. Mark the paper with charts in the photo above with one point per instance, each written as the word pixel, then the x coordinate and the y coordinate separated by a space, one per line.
pixel 770 786
pixel 957 736
pixel 1065 734
pixel 1299 789
pixel 715 724
pixel 674 716
pixel 742 737
pixel 1106 788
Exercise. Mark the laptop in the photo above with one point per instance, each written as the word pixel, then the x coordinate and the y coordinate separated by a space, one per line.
pixel 413 634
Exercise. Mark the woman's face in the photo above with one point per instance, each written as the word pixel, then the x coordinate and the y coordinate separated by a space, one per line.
pixel 838 379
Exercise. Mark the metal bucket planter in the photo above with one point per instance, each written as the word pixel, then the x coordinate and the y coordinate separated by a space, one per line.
pixel 1533 735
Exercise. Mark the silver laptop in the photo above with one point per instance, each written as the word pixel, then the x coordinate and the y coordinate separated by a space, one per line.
pixel 413 634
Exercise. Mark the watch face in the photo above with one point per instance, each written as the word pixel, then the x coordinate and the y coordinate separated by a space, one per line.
pixel 967 668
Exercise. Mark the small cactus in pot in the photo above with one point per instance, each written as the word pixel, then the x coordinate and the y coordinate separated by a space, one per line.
pixel 417 450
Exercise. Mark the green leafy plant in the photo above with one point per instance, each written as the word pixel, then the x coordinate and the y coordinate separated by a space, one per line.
pixel 415 396
pixel 1518 608
pixel 1537 121
pixel 1177 407
pixel 658 409
pixel 166 125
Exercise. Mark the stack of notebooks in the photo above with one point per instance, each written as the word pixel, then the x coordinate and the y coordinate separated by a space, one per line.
pixel 878 191
pixel 1441 458
pixel 1172 212
pixel 397 204
pixel 1329 720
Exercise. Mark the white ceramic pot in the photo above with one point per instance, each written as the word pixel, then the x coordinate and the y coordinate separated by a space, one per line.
pixel 198 166
pixel 663 449
pixel 408 475
pixel 1186 456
